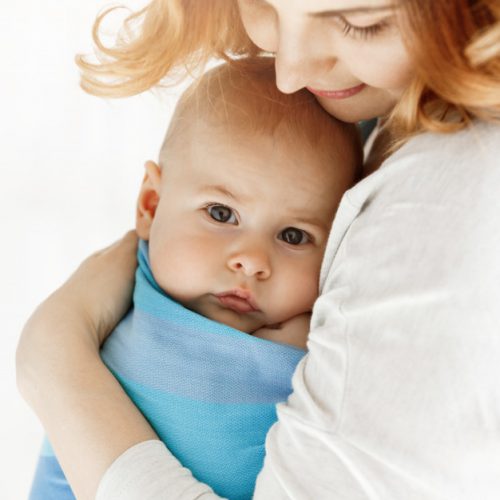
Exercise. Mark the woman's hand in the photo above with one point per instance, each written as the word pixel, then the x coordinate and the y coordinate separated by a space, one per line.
pixel 88 417
pixel 101 288
pixel 98 293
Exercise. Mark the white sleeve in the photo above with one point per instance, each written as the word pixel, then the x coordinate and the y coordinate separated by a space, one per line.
pixel 148 471
pixel 399 396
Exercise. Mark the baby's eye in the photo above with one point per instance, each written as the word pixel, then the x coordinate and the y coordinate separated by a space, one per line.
pixel 294 236
pixel 221 213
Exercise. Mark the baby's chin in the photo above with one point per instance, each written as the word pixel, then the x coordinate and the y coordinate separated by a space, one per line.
pixel 247 323
pixel 211 309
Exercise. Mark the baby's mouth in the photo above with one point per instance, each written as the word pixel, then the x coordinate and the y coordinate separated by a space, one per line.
pixel 239 301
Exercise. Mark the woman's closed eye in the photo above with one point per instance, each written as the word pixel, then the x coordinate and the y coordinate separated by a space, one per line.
pixel 362 32
pixel 294 236
pixel 221 213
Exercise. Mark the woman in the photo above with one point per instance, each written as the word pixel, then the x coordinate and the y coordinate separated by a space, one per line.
pixel 398 396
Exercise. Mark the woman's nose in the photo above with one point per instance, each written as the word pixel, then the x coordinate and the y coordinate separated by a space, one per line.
pixel 251 262
pixel 301 59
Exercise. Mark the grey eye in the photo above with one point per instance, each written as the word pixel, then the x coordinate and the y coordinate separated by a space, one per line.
pixel 294 236
pixel 221 213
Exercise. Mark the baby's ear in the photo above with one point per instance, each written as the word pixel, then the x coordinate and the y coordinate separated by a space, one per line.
pixel 148 199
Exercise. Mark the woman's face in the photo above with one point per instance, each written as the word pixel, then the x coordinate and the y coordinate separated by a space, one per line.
pixel 349 53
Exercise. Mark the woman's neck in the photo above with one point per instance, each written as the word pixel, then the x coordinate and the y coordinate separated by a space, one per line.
pixel 380 149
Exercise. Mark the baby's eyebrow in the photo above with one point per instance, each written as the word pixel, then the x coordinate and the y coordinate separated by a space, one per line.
pixel 311 221
pixel 221 190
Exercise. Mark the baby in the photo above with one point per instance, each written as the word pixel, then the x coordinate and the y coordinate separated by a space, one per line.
pixel 234 221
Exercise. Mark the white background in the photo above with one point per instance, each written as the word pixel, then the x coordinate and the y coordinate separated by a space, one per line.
pixel 70 168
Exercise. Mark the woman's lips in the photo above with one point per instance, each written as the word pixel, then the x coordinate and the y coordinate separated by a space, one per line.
pixel 338 94
pixel 239 301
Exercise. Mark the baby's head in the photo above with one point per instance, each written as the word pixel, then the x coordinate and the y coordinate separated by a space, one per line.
pixel 238 211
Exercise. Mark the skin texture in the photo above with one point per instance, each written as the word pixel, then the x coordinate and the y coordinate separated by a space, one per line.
pixel 310 51
pixel 280 189
pixel 321 50
pixel 58 354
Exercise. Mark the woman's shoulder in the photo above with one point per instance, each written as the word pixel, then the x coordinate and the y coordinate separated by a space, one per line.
pixel 479 140
pixel 434 166
pixel 436 196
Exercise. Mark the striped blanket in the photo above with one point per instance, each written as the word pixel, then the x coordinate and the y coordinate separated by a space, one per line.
pixel 208 390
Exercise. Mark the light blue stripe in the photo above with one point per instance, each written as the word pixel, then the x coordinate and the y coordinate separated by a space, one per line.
pixel 47 450
pixel 49 482
pixel 208 390
pixel 222 444
pixel 200 365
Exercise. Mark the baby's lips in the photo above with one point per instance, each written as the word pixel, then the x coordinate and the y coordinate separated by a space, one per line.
pixel 239 300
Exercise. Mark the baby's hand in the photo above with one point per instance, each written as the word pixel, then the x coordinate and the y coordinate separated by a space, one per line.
pixel 293 331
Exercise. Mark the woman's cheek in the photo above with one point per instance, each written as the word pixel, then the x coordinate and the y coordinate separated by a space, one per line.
pixel 395 79
pixel 383 65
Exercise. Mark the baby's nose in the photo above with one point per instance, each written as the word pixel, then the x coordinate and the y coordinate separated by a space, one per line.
pixel 254 262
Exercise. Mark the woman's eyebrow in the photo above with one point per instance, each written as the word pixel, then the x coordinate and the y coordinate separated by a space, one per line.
pixel 354 10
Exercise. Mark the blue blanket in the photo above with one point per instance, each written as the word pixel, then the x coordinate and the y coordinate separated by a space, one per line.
pixel 208 390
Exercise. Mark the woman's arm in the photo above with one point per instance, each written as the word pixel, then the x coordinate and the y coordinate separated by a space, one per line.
pixel 88 417
pixel 398 396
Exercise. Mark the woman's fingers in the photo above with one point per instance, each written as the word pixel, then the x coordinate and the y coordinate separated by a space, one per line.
pixel 123 245
pixel 100 290
pixel 95 297
pixel 85 308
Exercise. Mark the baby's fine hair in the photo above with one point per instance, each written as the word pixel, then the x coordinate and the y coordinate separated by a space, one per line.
pixel 454 46
pixel 243 97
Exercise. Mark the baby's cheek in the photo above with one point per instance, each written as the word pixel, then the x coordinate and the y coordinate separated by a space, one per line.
pixel 298 293
pixel 175 265
pixel 161 268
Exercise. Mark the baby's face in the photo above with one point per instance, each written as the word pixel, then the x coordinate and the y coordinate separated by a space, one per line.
pixel 241 226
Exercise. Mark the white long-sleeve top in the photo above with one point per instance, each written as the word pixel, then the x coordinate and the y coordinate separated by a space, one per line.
pixel 399 395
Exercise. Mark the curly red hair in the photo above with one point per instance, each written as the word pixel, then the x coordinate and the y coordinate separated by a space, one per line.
pixel 455 45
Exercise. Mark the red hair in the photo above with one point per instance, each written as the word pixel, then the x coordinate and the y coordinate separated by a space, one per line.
pixel 455 45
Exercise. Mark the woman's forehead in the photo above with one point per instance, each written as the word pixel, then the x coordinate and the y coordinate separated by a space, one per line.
pixel 332 7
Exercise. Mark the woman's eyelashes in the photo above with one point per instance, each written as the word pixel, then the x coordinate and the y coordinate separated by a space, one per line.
pixel 362 32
